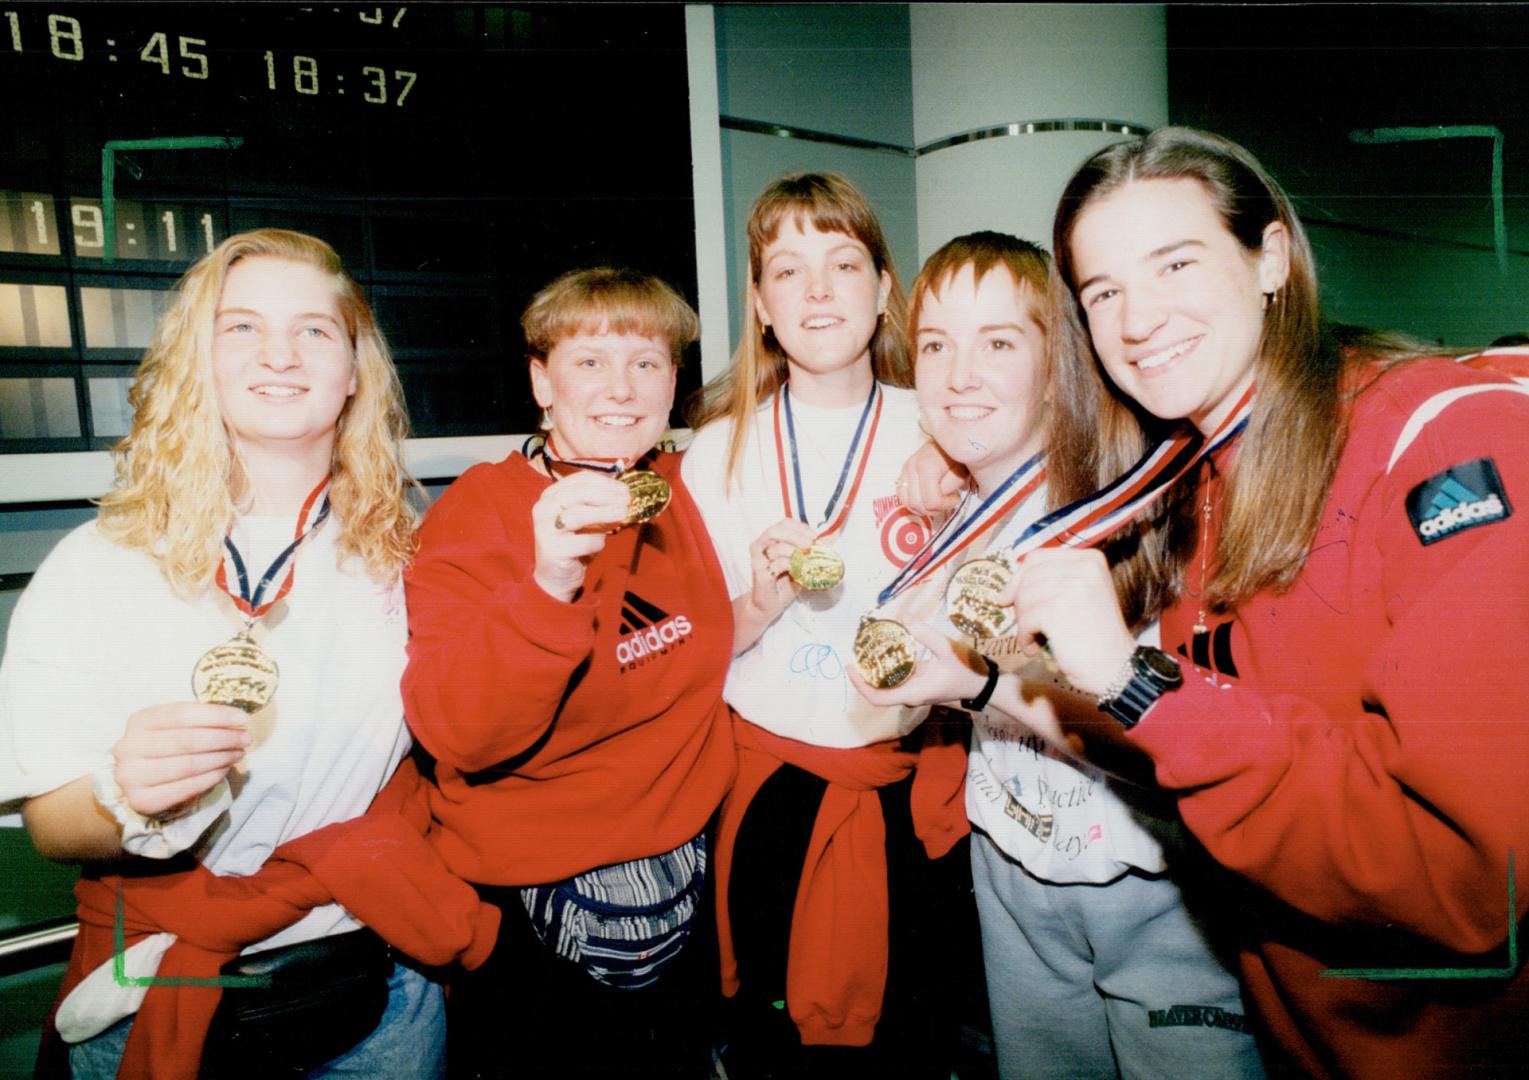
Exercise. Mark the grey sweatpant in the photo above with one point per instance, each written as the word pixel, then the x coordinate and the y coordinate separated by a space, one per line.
pixel 1103 980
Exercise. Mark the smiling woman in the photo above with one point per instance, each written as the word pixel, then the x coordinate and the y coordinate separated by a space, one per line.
pixel 566 665
pixel 1342 605
pixel 267 435
pixel 282 363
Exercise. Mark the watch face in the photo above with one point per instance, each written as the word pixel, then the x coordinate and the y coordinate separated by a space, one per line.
pixel 1159 666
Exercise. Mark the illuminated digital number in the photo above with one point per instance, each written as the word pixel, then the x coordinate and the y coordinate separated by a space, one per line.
pixel 157 51
pixel 64 30
pixel 379 80
pixel 207 232
pixel 162 58
pixel 42 222
pixel 87 217
pixel 15 31
pixel 375 19
pixel 270 70
pixel 408 85
pixel 187 53
pixel 305 75
pixel 169 219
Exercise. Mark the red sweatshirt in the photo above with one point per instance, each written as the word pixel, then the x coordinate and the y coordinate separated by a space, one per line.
pixel 377 865
pixel 836 963
pixel 568 735
pixel 1358 746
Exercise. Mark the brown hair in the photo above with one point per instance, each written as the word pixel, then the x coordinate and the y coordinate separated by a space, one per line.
pixel 179 478
pixel 617 301
pixel 1290 448
pixel 1027 264
pixel 830 203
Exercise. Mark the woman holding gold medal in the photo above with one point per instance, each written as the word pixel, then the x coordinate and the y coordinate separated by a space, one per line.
pixel 570 638
pixel 250 554
pixel 837 912
pixel 1337 705
pixel 1084 932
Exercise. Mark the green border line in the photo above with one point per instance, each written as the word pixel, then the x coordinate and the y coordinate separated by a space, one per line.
pixel 109 174
pixel 119 966
pixel 1394 974
pixel 1464 131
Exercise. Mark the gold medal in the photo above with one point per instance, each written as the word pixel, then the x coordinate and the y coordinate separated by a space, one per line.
pixel 884 652
pixel 971 598
pixel 816 567
pixel 237 672
pixel 650 494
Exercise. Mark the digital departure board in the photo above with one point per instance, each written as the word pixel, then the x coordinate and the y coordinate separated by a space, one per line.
pixel 457 156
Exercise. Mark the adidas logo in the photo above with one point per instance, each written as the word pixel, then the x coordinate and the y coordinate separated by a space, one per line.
pixel 1454 505
pixel 647 632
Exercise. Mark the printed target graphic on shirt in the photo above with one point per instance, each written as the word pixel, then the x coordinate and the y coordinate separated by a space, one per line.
pixel 903 534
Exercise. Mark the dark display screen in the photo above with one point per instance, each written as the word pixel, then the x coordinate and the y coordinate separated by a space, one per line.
pixel 457 156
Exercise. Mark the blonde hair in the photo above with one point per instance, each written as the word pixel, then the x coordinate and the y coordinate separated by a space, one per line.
pixel 179 478
pixel 617 301
pixel 830 203
pixel 1277 486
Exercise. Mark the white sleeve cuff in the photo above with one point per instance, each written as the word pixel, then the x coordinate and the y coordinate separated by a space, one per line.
pixel 158 837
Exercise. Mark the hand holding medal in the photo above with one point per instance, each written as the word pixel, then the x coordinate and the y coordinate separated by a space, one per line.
pixel 885 651
pixel 980 597
pixel 570 522
pixel 171 754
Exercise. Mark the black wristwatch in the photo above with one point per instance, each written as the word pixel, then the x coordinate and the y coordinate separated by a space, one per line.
pixel 1149 675
pixel 978 703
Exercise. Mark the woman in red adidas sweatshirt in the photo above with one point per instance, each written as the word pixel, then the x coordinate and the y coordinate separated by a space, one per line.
pixel 1340 705
pixel 566 673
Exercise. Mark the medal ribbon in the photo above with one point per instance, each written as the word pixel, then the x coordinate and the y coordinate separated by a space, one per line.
pixel 251 603
pixel 855 461
pixel 941 548
pixel 610 466
pixel 1093 518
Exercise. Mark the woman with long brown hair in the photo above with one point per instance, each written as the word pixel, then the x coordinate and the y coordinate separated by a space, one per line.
pixel 1341 589
pixel 837 883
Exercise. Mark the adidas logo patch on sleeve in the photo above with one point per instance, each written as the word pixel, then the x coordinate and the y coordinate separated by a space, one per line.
pixel 1459 498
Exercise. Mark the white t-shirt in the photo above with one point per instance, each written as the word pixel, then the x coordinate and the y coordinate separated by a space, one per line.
pixel 1063 820
pixel 99 634
pixel 793 680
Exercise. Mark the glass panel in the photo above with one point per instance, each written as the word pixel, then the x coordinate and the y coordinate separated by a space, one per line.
pixel 38 409
pixel 122 318
pixel 27 223
pixel 34 315
pixel 110 414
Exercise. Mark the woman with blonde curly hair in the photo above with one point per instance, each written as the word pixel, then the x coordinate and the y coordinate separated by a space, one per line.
pixel 267 436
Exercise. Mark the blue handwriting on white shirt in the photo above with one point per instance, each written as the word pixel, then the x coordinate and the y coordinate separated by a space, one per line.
pixel 819 661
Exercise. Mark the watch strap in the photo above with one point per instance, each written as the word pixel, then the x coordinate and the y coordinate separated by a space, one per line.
pixel 1130 701
pixel 979 702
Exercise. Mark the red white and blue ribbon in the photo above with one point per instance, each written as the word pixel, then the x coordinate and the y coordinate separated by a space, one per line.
pixel 1092 519
pixel 252 602
pixel 854 462
pixel 960 531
